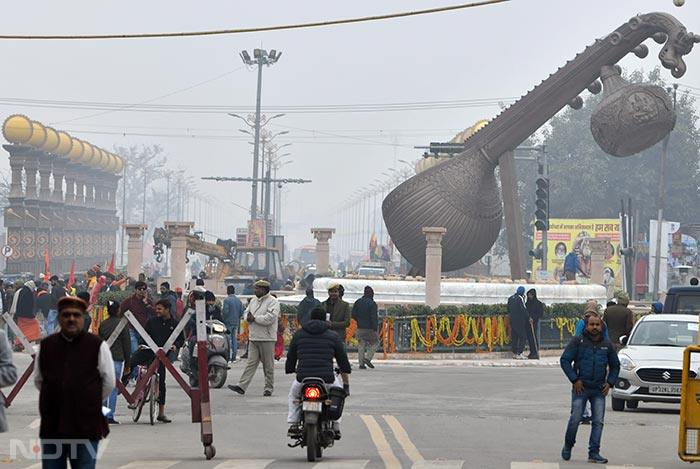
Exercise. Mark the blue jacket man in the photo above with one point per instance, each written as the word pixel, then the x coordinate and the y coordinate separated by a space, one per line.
pixel 591 364
pixel 233 310
pixel 572 266
pixel 364 312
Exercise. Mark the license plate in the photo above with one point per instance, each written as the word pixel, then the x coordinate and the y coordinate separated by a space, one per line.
pixel 313 406
pixel 665 389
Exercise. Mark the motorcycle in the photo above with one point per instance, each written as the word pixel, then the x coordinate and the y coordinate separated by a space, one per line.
pixel 320 406
pixel 218 351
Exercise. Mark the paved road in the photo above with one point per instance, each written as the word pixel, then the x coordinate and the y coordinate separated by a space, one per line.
pixel 444 413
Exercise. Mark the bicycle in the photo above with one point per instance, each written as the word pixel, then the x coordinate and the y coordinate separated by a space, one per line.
pixel 149 394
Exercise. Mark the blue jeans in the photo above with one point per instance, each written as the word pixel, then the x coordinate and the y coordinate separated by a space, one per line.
pixel 597 400
pixel 134 336
pixel 51 321
pixel 111 401
pixel 55 454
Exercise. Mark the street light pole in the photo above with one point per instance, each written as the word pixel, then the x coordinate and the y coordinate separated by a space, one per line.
pixel 660 219
pixel 260 58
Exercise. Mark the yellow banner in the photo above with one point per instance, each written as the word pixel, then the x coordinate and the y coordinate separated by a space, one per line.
pixel 569 234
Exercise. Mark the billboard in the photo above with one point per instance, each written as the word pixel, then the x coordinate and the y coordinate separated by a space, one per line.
pixel 571 234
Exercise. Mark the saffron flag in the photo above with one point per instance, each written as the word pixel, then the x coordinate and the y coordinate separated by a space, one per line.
pixel 47 274
pixel 111 265
pixel 71 279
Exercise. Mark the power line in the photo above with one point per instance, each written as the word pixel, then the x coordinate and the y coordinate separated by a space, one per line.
pixel 254 30
pixel 219 109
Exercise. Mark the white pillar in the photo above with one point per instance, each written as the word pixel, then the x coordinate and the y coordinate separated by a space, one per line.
pixel 322 235
pixel 178 231
pixel 135 249
pixel 433 264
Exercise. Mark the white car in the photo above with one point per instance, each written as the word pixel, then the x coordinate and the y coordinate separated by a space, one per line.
pixel 651 363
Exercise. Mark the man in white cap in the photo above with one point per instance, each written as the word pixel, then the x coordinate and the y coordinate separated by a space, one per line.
pixel 261 315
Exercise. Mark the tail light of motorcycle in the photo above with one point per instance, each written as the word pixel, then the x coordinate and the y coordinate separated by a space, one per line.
pixel 218 342
pixel 312 393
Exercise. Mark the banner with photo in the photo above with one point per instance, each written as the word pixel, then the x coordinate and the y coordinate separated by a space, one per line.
pixel 569 234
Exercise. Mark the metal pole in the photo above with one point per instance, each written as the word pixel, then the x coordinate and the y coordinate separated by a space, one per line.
pixel 143 215
pixel 123 209
pixel 660 218
pixel 253 205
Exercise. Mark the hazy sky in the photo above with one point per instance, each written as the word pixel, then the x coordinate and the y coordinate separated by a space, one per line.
pixel 494 53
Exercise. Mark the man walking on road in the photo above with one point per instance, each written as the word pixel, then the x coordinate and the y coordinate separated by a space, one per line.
pixel 121 350
pixel 57 292
pixel 364 312
pixel 619 319
pixel 74 373
pixel 591 364
pixel 233 310
pixel 305 306
pixel 261 315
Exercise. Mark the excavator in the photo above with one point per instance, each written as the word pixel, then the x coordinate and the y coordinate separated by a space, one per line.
pixel 227 262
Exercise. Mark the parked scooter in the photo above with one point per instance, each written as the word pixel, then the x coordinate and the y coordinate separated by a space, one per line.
pixel 218 350
pixel 320 406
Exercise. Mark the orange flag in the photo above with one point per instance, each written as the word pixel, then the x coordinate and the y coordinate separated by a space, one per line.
pixel 71 279
pixel 111 265
pixel 47 274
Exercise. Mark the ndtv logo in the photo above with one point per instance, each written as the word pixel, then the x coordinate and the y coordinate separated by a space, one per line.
pixel 31 449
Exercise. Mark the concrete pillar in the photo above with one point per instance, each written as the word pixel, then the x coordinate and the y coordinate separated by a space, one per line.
pixel 135 249
pixel 178 231
pixel 322 235
pixel 433 263
pixel 599 248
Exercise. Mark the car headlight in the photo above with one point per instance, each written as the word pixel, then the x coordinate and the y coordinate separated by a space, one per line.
pixel 626 363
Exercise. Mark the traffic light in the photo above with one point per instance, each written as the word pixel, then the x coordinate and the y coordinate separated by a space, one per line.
pixel 536 253
pixel 542 204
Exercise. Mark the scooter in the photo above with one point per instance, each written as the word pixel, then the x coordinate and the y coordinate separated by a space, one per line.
pixel 320 406
pixel 218 350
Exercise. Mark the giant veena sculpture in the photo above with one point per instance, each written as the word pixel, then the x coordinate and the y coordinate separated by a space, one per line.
pixel 461 193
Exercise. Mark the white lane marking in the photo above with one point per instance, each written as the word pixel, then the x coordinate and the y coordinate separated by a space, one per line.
pixel 534 465
pixel 439 463
pixel 348 464
pixel 244 464
pixel 628 467
pixel 35 424
pixel 150 465
pixel 383 447
pixel 402 437
pixel 34 466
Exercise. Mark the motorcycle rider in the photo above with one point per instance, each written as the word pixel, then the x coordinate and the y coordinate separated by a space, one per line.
pixel 311 353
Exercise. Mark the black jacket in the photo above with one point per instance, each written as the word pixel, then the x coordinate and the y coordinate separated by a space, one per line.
pixel 314 346
pixel 535 308
pixel 25 303
pixel 364 311
pixel 121 348
pixel 517 312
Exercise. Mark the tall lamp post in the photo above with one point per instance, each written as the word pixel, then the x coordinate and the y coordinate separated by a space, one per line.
pixel 260 57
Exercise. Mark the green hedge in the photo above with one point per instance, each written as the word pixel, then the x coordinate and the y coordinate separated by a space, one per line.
pixel 558 310
pixel 118 296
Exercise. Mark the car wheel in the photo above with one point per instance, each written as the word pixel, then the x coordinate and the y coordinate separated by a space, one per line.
pixel 618 404
pixel 632 404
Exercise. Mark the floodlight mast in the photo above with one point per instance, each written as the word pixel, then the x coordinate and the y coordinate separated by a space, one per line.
pixel 260 58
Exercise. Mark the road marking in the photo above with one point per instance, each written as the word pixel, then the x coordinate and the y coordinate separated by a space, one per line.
pixel 439 463
pixel 34 466
pixel 402 437
pixel 244 464
pixel 535 465
pixel 150 464
pixel 385 452
pixel 629 466
pixel 35 424
pixel 349 464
